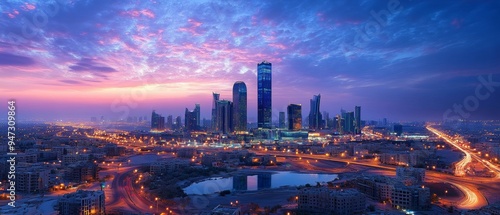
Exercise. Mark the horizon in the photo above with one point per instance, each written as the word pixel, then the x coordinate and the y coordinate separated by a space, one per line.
pixel 400 60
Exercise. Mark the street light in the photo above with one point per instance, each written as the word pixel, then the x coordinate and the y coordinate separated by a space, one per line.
pixel 156 199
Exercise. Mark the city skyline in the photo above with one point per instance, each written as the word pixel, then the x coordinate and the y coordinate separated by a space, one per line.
pixel 99 59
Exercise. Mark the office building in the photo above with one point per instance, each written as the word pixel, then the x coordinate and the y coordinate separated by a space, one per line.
pixel 264 95
pixel 178 122
pixel 240 106
pixel 157 122
pixel 294 117
pixel 191 119
pixel 197 111
pixel 398 129
pixel 170 122
pixel 357 120
pixel 214 110
pixel 348 122
pixel 224 115
pixel 82 202
pixel 315 117
pixel 281 122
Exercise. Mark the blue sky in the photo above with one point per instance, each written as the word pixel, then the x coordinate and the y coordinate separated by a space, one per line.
pixel 412 60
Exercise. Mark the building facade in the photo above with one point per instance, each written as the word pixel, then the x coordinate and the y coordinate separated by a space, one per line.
pixel 294 117
pixel 82 202
pixel 315 117
pixel 240 106
pixel 157 122
pixel 224 121
pixel 357 120
pixel 264 95
pixel 322 200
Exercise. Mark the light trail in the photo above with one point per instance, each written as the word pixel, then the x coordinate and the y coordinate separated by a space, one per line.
pixel 461 166
pixel 470 200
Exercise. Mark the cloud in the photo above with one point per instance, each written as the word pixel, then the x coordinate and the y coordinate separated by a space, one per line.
pixel 7 59
pixel 88 65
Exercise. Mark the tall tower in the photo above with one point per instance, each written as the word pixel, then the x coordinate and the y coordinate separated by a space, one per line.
pixel 224 119
pixel 191 119
pixel 315 118
pixel 264 95
pixel 240 106
pixel 294 117
pixel 214 110
pixel 357 119
pixel 197 110
pixel 281 120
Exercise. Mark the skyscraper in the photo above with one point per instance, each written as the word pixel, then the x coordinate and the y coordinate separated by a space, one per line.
pixel 398 129
pixel 264 95
pixel 357 120
pixel 240 106
pixel 197 111
pixel 178 122
pixel 294 117
pixel 282 120
pixel 170 122
pixel 348 120
pixel 191 118
pixel 224 114
pixel 315 118
pixel 214 110
pixel 157 122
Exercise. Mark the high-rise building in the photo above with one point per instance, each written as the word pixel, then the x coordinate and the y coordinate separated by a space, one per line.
pixel 224 114
pixel 398 129
pixel 315 118
pixel 357 120
pixel 157 122
pixel 178 122
pixel 340 123
pixel 327 118
pixel 281 121
pixel 170 122
pixel 82 202
pixel 214 110
pixel 191 119
pixel 294 117
pixel 240 106
pixel 197 111
pixel 348 122
pixel 264 95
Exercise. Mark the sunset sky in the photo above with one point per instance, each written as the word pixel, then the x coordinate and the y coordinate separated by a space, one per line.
pixel 403 60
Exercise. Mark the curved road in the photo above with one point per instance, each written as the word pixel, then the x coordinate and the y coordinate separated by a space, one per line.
pixel 473 198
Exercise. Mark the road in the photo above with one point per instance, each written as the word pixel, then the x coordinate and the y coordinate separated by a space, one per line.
pixel 473 198
pixel 460 167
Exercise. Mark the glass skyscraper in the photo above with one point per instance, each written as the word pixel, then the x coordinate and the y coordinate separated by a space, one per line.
pixel 357 118
pixel 240 106
pixel 315 118
pixel 264 95
pixel 214 110
pixel 294 117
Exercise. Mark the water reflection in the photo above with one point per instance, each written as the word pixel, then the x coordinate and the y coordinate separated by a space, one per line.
pixel 257 181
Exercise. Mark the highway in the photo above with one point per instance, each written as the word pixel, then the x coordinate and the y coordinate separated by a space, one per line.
pixel 460 167
pixel 473 198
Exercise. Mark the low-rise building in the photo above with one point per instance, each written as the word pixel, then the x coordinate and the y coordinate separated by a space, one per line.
pixel 82 202
pixel 166 166
pixel 321 200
